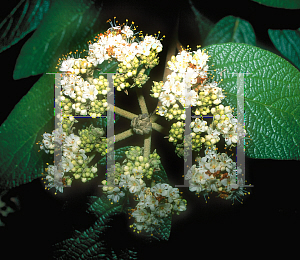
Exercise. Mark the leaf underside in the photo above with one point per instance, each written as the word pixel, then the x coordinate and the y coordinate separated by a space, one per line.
pixel 66 25
pixel 231 29
pixel 288 43
pixel 287 4
pixel 32 116
pixel 23 19
pixel 91 243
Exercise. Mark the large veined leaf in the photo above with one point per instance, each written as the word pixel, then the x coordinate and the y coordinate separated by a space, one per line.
pixel 66 24
pixel 272 98
pixel 287 4
pixel 288 43
pixel 23 19
pixel 91 243
pixel 20 161
pixel 231 29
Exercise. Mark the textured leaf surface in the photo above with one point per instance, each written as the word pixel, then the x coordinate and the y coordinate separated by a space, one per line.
pixel 20 161
pixel 91 243
pixel 23 19
pixel 287 4
pixel 231 29
pixel 288 43
pixel 272 98
pixel 66 24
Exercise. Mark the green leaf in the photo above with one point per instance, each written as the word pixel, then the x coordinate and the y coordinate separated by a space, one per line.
pixel 119 155
pixel 66 25
pixel 160 176
pixel 272 98
pixel 286 4
pixel 231 29
pixel 23 19
pixel 20 160
pixel 91 243
pixel 288 43
pixel 107 67
pixel 203 23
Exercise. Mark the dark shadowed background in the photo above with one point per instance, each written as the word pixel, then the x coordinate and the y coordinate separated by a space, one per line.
pixel 268 217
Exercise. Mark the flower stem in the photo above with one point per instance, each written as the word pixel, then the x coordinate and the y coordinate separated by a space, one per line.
pixel 123 135
pixel 141 100
pixel 153 118
pixel 160 128
pixel 124 113
pixel 147 146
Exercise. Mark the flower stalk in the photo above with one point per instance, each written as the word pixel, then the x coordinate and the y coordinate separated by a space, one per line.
pixel 124 113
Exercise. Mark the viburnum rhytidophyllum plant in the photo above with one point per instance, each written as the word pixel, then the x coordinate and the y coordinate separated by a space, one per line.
pixel 84 92
pixel 203 83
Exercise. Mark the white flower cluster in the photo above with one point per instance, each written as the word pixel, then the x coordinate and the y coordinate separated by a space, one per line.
pixel 154 203
pixel 48 143
pixel 86 94
pixel 73 160
pixel 83 98
pixel 187 86
pixel 119 43
pixel 216 172
pixel 224 124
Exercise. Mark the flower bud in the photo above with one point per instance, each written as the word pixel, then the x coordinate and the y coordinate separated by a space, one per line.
pixel 77 176
pixel 80 162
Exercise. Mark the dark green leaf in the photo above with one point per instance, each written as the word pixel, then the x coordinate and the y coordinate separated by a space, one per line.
pixel 66 25
pixel 288 43
pixel 20 160
pixel 231 29
pixel 91 243
pixel 272 98
pixel 203 23
pixel 287 4
pixel 107 67
pixel 160 176
pixel 23 19
pixel 119 155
